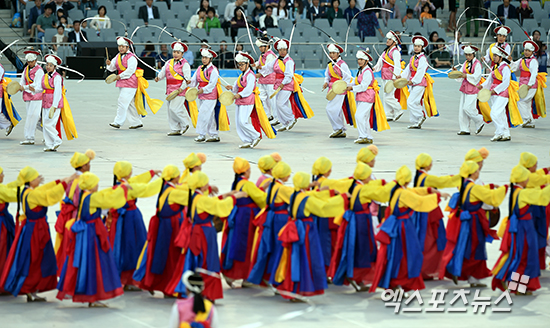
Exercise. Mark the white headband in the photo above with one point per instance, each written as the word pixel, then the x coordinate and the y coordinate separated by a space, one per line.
pixel 418 42
pixel 281 45
pixel 332 48
pixel 260 43
pixel 361 55
pixel 502 31
pixel 530 47
pixel 497 52
pixel 122 42
pixel 469 50
pixel 51 60
pixel 206 53
pixel 178 47
pixel 241 59
pixel 30 57
pixel 390 36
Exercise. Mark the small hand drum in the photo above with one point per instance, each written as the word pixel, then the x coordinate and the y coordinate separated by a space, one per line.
pixel 110 79
pixel 484 95
pixel 13 87
pixel 400 83
pixel 389 87
pixel 494 217
pixel 330 95
pixel 173 95
pixel 523 91
pixel 226 98
pixel 191 94
pixel 339 87
pixel 454 74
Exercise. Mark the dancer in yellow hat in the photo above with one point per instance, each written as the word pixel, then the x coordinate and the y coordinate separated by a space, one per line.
pixel 266 164
pixel 8 194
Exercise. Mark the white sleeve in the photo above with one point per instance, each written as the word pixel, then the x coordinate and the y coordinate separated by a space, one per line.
pixel 214 323
pixel 212 82
pixel 270 58
pixel 505 80
pixel 57 90
pixel 475 77
pixel 488 82
pixel 130 70
pixel 235 86
pixel 379 63
pixel 22 80
pixel 174 317
pixel 487 55
pixel 194 82
pixel 508 49
pixel 186 70
pixel 346 73
pixel 406 72
pixel 250 84
pixel 420 70
pixel 112 67
pixel 534 68
pixel 267 68
pixel 162 73
pixel 262 21
pixel 289 72
pixel 327 75
pixel 37 84
pixel 192 23
pixel 364 85
pixel 514 65
pixel 397 62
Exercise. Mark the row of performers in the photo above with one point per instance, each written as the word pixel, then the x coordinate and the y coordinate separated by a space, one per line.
pixel 289 237
pixel 275 89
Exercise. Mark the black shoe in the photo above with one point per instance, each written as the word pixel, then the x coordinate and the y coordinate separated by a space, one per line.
pixel 467 35
pixel 475 35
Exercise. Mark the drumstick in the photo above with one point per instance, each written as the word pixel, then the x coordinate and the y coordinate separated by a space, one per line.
pixel 107 52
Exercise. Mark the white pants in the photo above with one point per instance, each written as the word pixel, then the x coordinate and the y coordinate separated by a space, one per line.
pixel 284 108
pixel 34 108
pixel 413 104
pixel 498 114
pixel 178 118
pixel 335 114
pixel 127 108
pixel 4 122
pixel 362 119
pixel 266 90
pixel 392 107
pixel 51 138
pixel 467 111
pixel 206 122
pixel 246 131
pixel 524 105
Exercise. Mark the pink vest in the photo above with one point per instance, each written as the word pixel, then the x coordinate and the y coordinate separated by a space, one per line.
pixel 207 96
pixel 47 99
pixel 423 83
pixel 126 83
pixel 466 86
pixel 27 96
pixel 270 79
pixel 171 82
pixel 185 311
pixel 387 69
pixel 526 75
pixel 250 99
pixel 368 95
pixel 338 72
pixel 497 82
pixel 280 75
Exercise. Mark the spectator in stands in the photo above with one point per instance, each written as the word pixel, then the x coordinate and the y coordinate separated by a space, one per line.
pixel 237 22
pixel 453 7
pixel 44 22
pixel 434 36
pixel 441 57
pixel 472 13
pixel 59 38
pixel 268 20
pixel 281 12
pixel 211 21
pixel 451 46
pixel 541 55
pixel 229 12
pixel 197 20
pixel 148 12
pixel 163 57
pixel 101 20
pixel 149 50
pixel 425 14
pixel 350 11
pixel 206 5
pixel 271 3
pixel 367 22
pixel 334 11
pixel 225 57
pixel 61 4
pixel 188 55
pixel 77 35
pixel 419 8
pixel 315 11
pixel 36 11
pixel 68 21
pixel 506 10
pixel 86 5
pixel 395 12
pixel 258 10
pixel 63 21
pixel 408 15
pixel 524 11
pixel 298 11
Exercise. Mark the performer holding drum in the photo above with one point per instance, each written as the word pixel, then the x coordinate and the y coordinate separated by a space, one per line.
pixel 31 86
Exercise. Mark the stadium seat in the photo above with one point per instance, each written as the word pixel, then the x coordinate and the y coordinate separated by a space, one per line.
pixel 395 25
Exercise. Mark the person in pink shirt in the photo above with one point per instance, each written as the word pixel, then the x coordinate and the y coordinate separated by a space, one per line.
pixel 266 164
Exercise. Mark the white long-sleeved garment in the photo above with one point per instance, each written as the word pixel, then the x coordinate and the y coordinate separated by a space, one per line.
pixel 130 69
pixel 334 106
pixel 420 70
pixel 186 70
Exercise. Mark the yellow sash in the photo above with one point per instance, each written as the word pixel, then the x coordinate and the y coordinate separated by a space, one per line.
pixel 333 72
pixel 381 120
pixel 193 111
pixel 28 76
pixel 513 98
pixel 260 111
pixel 142 96
pixel 490 51
pixel 404 92
pixel 175 74
pixel 66 113
pixel 429 100
pixel 223 121
pixel 351 96
pixel 298 79
pixel 540 102
pixel 388 59
pixel 524 65
pixel 7 101
pixel 120 65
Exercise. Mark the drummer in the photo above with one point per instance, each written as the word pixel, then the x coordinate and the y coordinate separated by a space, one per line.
pixel 528 66
pixel 471 77
pixel 206 80
pixel 389 63
pixel 265 83
pixel 31 87
pixel 498 82
pixel 178 75
pixel 8 115
pixel 244 95
pixel 501 32
pixel 337 70
pixel 125 63
pixel 421 92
